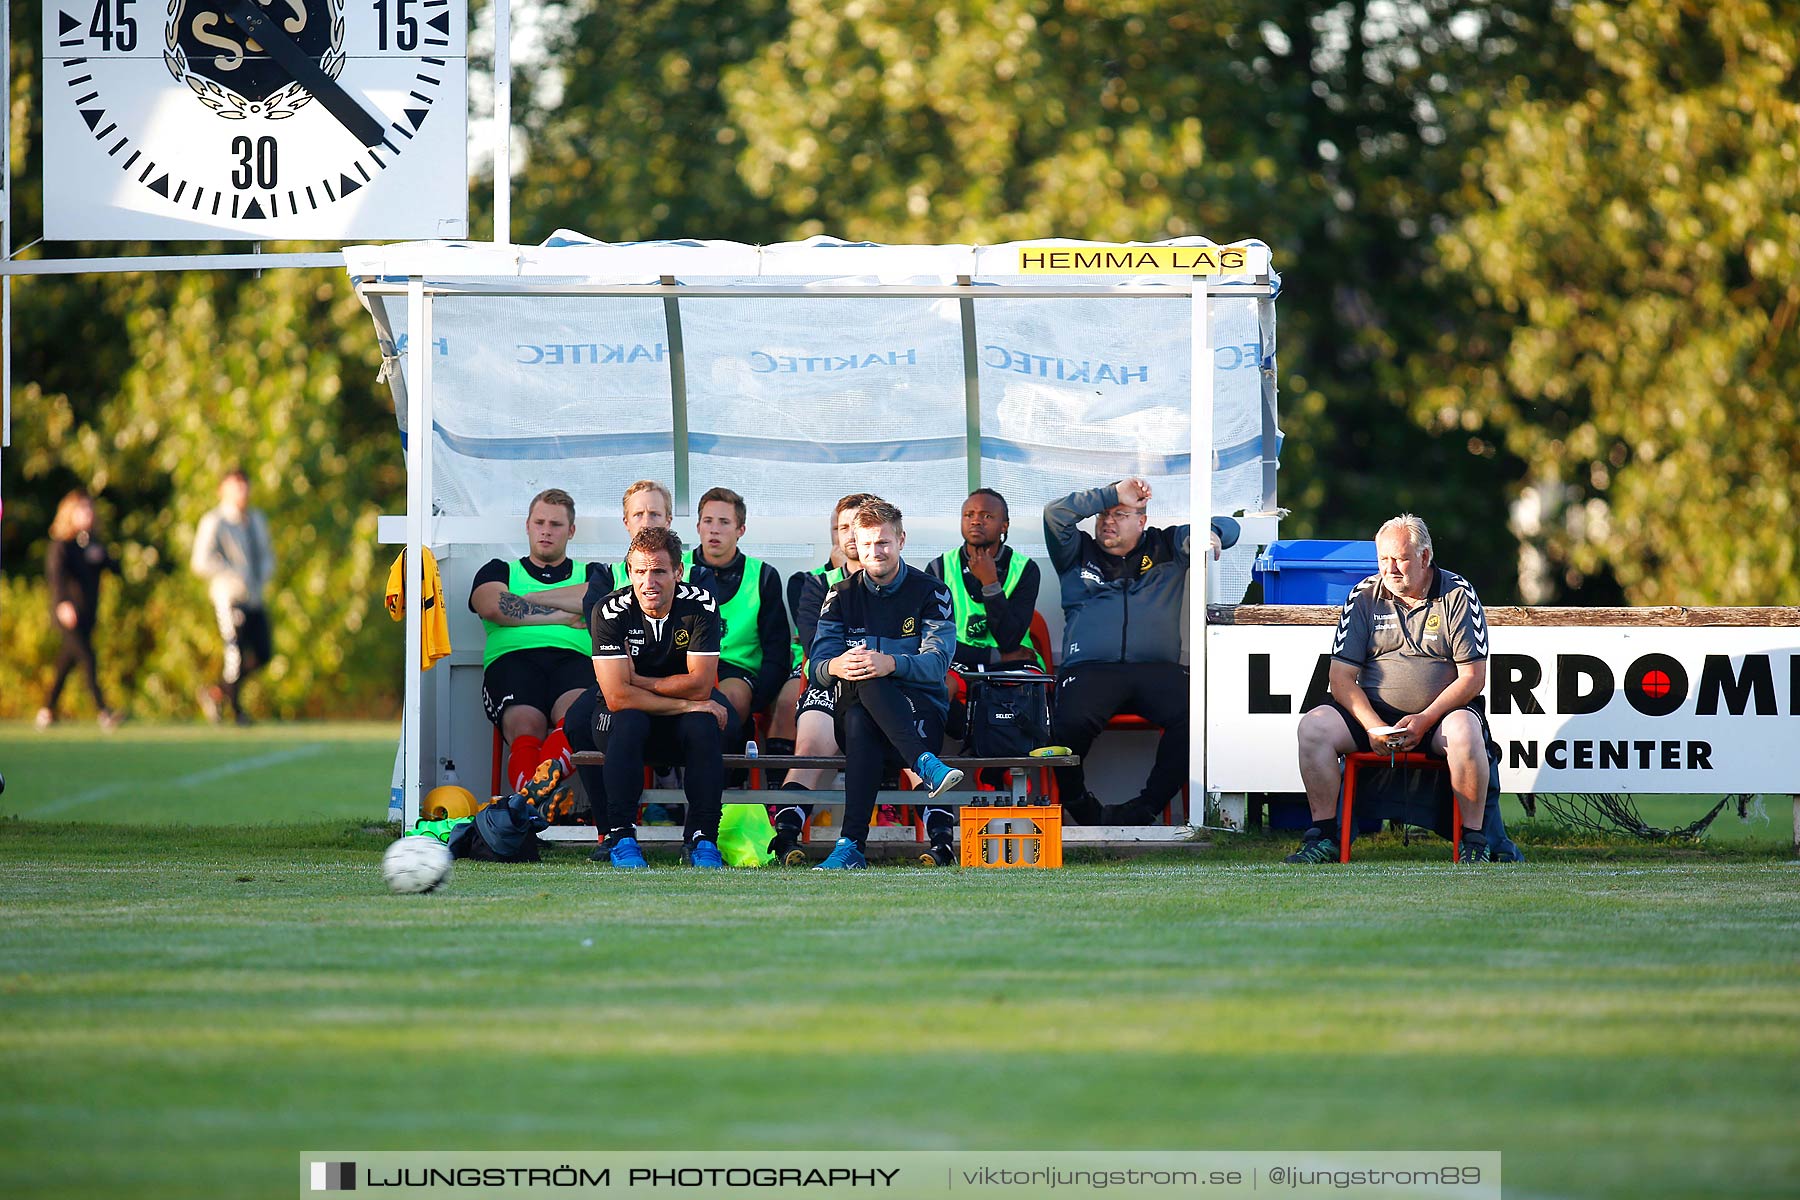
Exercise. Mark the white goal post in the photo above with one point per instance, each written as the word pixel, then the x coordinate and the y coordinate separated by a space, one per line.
pixel 799 372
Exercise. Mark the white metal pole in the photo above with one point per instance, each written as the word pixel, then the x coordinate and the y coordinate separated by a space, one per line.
pixel 433 769
pixel 166 262
pixel 418 380
pixel 1200 447
pixel 503 122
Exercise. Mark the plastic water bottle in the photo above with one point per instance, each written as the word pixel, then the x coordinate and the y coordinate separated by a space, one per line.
pixel 750 748
pixel 449 778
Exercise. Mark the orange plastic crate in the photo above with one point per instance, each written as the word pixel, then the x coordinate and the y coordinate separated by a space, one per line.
pixel 1012 836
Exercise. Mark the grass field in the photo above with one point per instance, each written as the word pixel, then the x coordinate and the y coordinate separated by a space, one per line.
pixel 197 774
pixel 183 1008
pixel 275 774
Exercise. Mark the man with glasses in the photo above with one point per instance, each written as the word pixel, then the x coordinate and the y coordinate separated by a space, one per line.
pixel 1121 592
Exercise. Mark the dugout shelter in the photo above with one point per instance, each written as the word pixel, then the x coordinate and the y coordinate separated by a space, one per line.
pixel 799 372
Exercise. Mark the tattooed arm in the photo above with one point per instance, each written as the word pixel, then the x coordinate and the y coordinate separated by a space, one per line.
pixel 493 602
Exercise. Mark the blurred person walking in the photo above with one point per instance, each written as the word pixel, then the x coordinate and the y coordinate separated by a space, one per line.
pixel 73 568
pixel 233 553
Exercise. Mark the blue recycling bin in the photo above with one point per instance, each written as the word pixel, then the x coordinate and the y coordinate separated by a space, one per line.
pixel 1313 571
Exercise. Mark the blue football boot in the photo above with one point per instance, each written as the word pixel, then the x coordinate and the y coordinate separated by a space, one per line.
pixel 845 856
pixel 938 778
pixel 704 854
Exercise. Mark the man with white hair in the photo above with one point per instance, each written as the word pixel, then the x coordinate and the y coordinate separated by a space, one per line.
pixel 1408 666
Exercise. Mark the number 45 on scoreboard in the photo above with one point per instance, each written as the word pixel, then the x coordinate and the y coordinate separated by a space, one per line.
pixel 174 120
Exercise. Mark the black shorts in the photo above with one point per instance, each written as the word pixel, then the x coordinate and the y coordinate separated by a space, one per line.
pixel 534 678
pixel 733 671
pixel 817 699
pixel 1389 714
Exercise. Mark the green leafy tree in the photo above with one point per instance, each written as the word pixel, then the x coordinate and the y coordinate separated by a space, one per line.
pixel 274 374
pixel 628 129
pixel 1638 247
pixel 1332 131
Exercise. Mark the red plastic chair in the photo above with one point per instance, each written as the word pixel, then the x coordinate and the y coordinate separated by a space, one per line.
pixel 1132 723
pixel 1353 765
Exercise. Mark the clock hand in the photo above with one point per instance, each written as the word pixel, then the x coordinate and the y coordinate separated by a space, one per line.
pixel 351 115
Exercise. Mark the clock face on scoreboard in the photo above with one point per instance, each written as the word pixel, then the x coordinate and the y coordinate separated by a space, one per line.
pixel 255 119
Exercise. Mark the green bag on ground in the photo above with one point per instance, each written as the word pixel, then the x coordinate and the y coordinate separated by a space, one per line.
pixel 442 830
pixel 744 835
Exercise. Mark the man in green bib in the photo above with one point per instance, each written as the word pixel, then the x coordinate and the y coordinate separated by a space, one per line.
pixel 754 658
pixel 646 504
pixel 994 591
pixel 993 588
pixel 537 660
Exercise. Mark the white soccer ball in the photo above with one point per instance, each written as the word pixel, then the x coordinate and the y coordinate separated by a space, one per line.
pixel 416 863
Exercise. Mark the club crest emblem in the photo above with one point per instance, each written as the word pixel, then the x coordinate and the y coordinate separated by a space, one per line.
pixel 907 626
pixel 234 76
pixel 681 637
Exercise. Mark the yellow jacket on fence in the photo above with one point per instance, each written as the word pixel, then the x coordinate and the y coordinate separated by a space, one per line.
pixel 434 635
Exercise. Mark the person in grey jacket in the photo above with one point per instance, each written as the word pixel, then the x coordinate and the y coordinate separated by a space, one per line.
pixel 1122 590
pixel 233 553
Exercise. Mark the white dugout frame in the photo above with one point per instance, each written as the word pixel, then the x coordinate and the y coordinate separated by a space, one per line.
pixel 420 293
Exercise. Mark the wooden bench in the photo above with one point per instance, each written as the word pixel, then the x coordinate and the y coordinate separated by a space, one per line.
pixel 1017 770
pixel 892 839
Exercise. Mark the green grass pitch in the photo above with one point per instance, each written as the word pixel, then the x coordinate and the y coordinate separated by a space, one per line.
pixel 185 1007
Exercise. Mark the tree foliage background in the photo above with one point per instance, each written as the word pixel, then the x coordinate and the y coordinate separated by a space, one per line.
pixel 1538 258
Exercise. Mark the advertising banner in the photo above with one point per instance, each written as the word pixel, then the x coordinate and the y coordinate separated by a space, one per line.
pixel 1574 708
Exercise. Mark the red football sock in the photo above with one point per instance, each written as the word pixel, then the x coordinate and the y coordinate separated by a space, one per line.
pixel 522 759
pixel 557 746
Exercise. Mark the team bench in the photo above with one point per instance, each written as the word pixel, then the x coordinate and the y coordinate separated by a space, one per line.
pixel 1018 773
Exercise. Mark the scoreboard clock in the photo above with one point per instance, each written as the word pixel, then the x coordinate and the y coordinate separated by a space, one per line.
pixel 173 120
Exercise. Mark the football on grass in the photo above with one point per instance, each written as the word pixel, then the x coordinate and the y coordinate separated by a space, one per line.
pixel 418 863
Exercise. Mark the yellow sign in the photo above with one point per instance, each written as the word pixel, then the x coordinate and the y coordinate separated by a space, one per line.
pixel 1133 260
